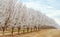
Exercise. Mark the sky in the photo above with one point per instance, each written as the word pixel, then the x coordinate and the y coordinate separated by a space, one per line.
pixel 51 8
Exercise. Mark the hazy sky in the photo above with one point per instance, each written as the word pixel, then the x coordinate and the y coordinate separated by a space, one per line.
pixel 49 7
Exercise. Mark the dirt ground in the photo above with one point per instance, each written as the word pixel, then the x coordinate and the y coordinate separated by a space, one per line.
pixel 41 33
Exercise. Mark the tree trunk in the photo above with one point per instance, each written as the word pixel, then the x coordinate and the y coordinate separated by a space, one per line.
pixel 19 30
pixel 12 30
pixel 3 28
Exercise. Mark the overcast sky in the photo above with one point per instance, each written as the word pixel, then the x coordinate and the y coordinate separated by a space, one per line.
pixel 49 7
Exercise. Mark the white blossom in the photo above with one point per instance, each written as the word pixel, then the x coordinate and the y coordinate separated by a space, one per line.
pixel 20 15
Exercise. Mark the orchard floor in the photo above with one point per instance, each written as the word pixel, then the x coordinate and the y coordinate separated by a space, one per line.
pixel 41 33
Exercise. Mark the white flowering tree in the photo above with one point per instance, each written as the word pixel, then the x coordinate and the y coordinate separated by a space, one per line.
pixel 14 14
